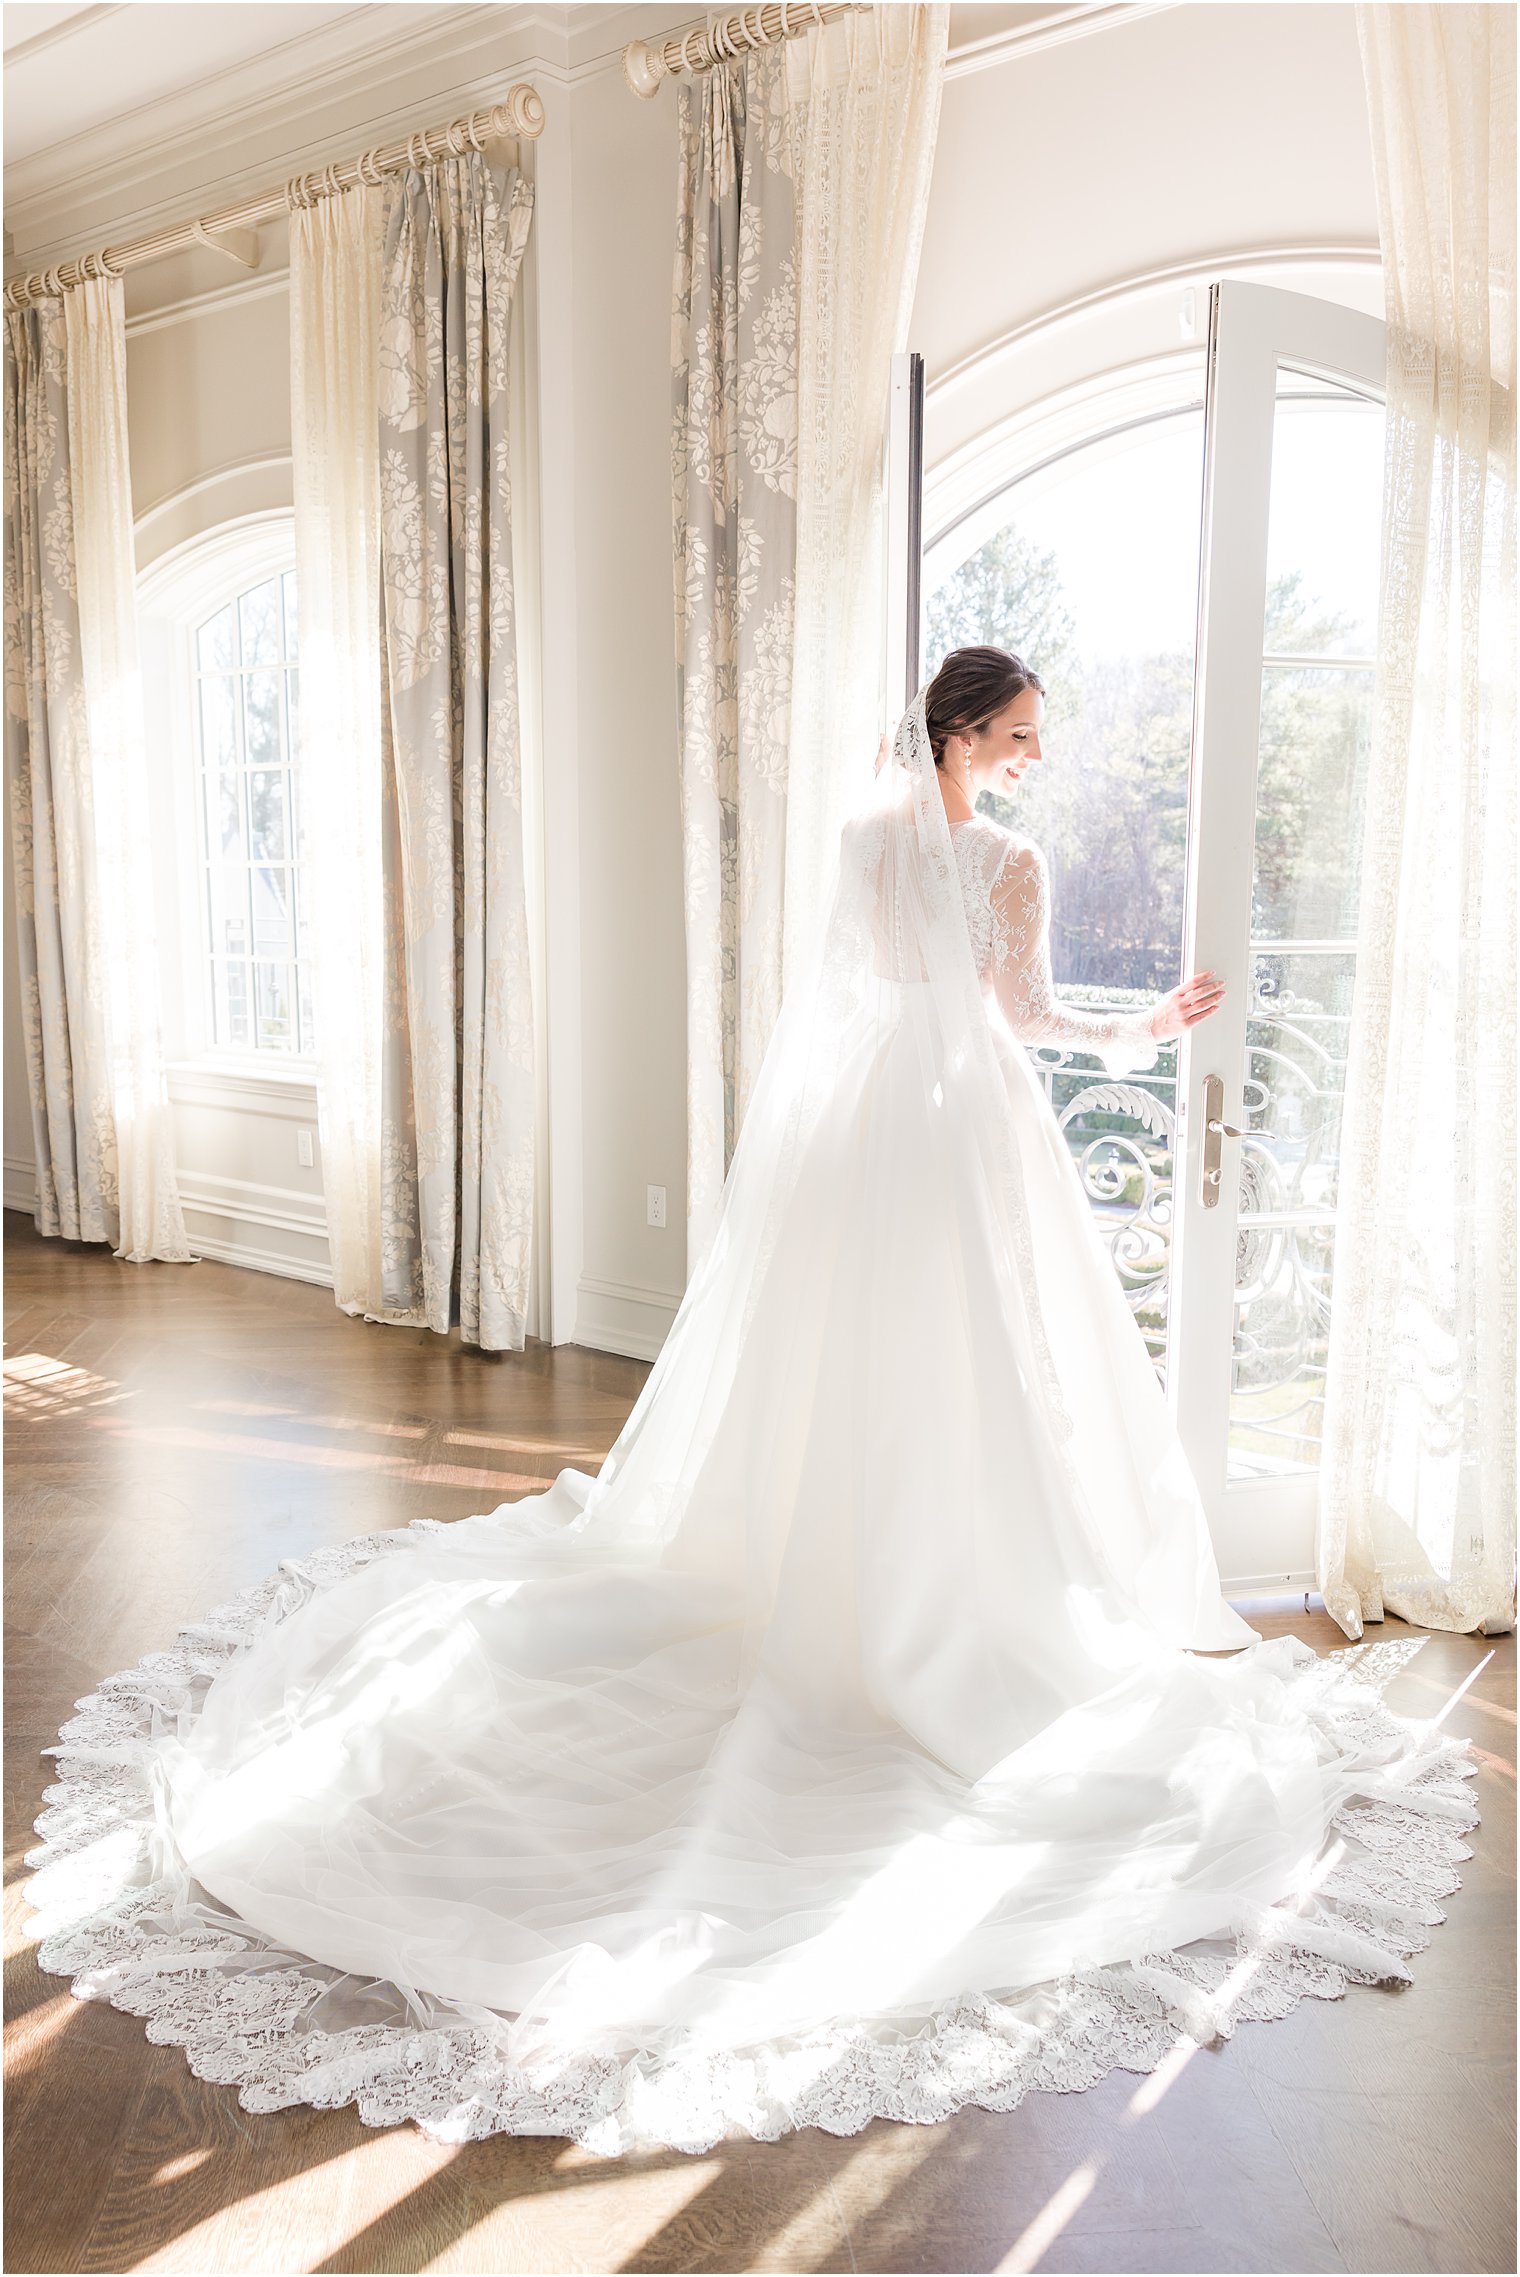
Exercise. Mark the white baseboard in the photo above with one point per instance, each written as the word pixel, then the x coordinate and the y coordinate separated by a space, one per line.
pixel 237 1221
pixel 623 1316
pixel 275 1229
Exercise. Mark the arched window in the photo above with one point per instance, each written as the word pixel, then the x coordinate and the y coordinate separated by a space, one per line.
pixel 220 639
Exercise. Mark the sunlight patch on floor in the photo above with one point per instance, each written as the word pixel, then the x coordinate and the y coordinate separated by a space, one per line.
pixel 299 1415
pixel 32 2037
pixel 568 2229
pixel 316 2207
pixel 38 1385
pixel 303 1454
pixel 1029 2249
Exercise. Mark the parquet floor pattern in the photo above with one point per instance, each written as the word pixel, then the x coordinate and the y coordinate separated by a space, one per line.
pixel 172 1432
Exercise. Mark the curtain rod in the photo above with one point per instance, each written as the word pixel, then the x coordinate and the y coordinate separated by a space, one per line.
pixel 644 66
pixel 230 229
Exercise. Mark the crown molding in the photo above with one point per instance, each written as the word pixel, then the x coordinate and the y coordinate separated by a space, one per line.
pixel 1055 30
pixel 296 106
pixel 382 69
pixel 598 36
pixel 40 42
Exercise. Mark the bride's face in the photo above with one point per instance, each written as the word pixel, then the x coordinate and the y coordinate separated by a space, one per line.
pixel 1009 745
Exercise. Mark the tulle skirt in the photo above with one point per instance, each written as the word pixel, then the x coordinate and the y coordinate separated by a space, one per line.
pixel 838 1748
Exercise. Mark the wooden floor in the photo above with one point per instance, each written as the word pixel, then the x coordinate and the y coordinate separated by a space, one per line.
pixel 174 1431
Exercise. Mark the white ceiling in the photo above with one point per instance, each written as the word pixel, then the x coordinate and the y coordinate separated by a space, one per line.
pixel 120 116
pixel 71 69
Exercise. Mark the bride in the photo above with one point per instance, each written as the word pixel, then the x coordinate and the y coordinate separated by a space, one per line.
pixel 844 1746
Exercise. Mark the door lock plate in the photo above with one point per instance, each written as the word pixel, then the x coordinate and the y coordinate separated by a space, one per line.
pixel 1214 1130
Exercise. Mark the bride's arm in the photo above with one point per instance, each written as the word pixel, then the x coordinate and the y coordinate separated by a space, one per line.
pixel 1025 986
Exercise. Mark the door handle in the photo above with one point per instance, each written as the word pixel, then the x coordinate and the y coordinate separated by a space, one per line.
pixel 1215 1131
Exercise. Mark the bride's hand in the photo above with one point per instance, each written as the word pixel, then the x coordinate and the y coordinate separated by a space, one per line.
pixel 1184 1007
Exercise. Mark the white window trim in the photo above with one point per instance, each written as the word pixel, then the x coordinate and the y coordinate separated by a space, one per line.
pixel 1086 374
pixel 175 595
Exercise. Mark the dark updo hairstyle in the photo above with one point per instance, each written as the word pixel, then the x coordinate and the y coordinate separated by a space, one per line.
pixel 969 687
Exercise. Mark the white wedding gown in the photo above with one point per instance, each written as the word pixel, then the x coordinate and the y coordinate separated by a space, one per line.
pixel 837 1750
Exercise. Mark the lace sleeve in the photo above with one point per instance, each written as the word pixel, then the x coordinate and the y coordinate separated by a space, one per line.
pixel 1025 986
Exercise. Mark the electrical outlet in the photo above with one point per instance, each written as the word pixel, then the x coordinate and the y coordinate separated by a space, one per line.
pixel 303 1149
pixel 656 1205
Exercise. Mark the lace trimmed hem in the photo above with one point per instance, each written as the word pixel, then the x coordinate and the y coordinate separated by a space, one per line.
pixel 250 2013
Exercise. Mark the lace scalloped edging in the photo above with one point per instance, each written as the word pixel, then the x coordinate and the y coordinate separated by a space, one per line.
pixel 245 2010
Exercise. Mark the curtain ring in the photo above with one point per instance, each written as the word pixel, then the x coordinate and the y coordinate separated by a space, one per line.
pixel 297 193
pixel 418 150
pixel 750 29
pixel 692 63
pixel 369 169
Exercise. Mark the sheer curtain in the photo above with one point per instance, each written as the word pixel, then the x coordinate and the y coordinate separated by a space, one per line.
pixel 77 766
pixel 801 191
pixel 1417 1512
pixel 402 300
pixel 335 414
pixel 866 92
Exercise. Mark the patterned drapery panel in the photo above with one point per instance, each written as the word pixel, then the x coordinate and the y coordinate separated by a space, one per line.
pixel 1417 1486
pixel 734 484
pixel 458 1072
pixel 802 187
pixel 402 300
pixel 76 765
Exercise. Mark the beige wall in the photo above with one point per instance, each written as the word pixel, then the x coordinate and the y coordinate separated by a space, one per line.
pixel 1189 132
pixel 1192 133
pixel 633 970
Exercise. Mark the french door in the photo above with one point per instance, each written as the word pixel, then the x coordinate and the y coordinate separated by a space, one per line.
pixel 1284 661
pixel 1274 828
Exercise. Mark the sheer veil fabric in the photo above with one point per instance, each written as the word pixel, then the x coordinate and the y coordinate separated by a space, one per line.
pixel 836 1750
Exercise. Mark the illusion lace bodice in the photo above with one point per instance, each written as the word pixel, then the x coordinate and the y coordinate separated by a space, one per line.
pixel 1007 893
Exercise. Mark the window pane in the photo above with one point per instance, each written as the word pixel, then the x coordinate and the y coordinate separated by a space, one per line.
pixel 308 1022
pixel 259 616
pixel 273 927
pixel 228 894
pixel 1311 784
pixel 261 719
pixel 230 989
pixel 272 1005
pixel 1325 520
pixel 225 839
pixel 216 643
pixel 218 723
pixel 288 582
pixel 267 835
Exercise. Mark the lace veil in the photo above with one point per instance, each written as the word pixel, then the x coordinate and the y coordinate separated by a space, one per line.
pixel 894 975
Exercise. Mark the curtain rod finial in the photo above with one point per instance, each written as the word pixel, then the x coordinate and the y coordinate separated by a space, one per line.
pixel 642 69
pixel 524 111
